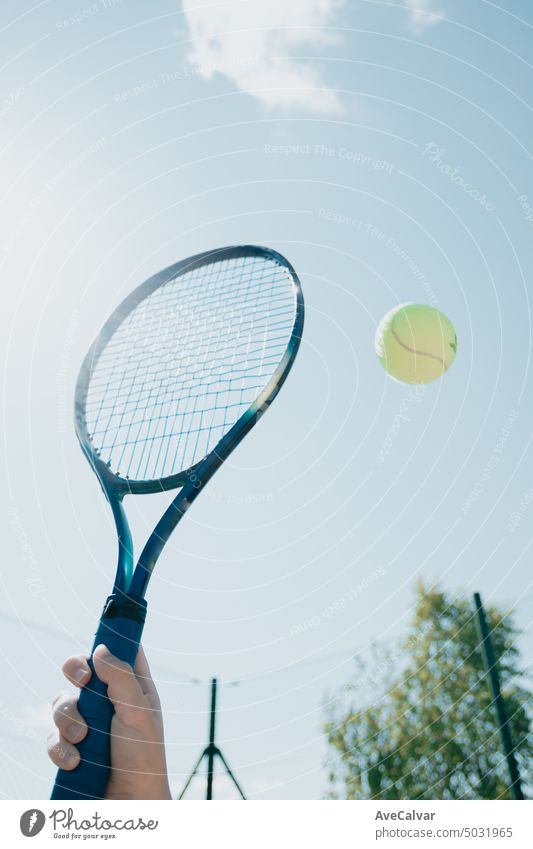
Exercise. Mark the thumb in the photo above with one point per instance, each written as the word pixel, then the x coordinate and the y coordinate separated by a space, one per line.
pixel 123 688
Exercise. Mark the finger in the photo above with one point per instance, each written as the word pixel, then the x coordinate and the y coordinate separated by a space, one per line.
pixel 141 668
pixel 63 754
pixel 143 674
pixel 76 669
pixel 123 688
pixel 69 721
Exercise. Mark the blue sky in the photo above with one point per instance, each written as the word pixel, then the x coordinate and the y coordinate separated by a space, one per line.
pixel 383 147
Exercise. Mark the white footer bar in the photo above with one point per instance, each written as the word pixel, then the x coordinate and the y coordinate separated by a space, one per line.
pixel 270 825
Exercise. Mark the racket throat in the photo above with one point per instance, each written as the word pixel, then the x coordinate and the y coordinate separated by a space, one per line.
pixel 124 572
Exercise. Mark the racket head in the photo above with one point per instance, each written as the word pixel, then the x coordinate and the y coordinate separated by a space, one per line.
pixel 171 299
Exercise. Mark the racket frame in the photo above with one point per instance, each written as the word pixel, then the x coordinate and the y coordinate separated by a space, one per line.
pixel 190 481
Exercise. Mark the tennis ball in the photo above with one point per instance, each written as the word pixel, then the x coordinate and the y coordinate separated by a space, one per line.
pixel 416 343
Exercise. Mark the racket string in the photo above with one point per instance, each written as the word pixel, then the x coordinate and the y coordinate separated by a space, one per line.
pixel 186 363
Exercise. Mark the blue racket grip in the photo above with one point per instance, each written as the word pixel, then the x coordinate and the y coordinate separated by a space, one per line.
pixel 120 630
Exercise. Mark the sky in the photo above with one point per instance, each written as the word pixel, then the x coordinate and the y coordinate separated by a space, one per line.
pixel 384 148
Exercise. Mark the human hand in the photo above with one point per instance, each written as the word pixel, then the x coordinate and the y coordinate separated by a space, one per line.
pixel 138 762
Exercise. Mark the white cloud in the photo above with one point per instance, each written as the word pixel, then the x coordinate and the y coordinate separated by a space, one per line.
pixel 419 18
pixel 252 42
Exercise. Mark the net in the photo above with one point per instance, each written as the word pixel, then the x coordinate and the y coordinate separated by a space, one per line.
pixel 186 363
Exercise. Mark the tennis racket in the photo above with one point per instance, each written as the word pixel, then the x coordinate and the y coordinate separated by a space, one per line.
pixel 178 375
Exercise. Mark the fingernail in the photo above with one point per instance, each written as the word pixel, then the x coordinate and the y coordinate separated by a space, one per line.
pixel 80 674
pixel 74 732
pixel 70 759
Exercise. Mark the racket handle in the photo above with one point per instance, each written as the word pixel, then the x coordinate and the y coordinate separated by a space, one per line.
pixel 120 630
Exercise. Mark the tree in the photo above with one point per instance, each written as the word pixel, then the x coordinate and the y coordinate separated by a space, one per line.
pixel 418 723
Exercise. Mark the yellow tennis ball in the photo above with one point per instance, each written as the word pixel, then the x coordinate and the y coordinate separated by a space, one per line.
pixel 416 343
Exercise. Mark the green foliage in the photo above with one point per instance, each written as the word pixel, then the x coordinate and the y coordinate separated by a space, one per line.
pixel 430 731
